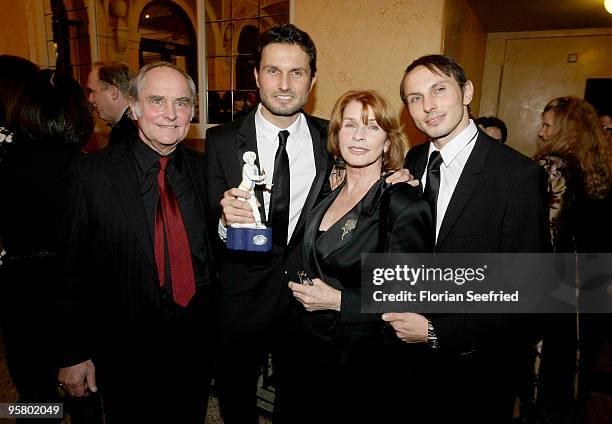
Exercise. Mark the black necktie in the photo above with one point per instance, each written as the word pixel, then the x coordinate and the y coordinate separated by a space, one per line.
pixel 279 202
pixel 433 183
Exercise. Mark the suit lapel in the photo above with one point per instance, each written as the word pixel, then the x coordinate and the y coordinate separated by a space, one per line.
pixel 319 149
pixel 469 180
pixel 246 140
pixel 196 171
pixel 417 160
pixel 342 231
pixel 312 224
pixel 123 177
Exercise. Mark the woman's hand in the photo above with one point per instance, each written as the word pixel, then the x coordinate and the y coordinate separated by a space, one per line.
pixel 318 297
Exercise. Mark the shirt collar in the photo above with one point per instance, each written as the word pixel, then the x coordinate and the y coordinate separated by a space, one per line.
pixel 146 157
pixel 124 113
pixel 112 124
pixel 452 149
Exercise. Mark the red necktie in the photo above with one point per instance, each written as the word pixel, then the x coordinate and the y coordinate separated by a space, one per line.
pixel 168 220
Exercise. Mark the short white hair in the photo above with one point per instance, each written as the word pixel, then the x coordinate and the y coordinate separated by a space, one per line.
pixel 137 83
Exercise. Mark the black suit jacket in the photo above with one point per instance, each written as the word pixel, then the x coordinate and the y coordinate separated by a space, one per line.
pixel 122 129
pixel 349 365
pixel 498 205
pixel 252 282
pixel 111 288
pixel 409 230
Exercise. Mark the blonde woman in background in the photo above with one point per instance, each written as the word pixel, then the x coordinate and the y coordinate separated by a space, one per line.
pixel 574 152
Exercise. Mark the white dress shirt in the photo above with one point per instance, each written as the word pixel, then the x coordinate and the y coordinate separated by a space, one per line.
pixel 454 157
pixel 302 168
pixel 301 162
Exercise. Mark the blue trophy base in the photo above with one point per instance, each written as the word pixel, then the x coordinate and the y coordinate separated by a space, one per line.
pixel 249 239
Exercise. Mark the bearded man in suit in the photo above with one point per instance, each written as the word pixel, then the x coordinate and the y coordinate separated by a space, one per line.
pixel 139 297
pixel 488 199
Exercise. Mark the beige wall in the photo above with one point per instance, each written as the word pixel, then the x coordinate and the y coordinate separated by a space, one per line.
pixel 22 30
pixel 13 31
pixel 524 70
pixel 465 39
pixel 368 44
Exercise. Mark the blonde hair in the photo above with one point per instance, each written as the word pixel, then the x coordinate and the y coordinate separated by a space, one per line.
pixel 580 138
pixel 385 117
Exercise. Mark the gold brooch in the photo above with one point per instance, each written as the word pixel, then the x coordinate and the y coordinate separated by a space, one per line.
pixel 348 226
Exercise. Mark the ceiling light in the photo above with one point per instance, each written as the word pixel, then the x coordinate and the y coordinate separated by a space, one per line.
pixel 608 6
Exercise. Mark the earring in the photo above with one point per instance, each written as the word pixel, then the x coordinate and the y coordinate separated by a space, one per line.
pixel 384 160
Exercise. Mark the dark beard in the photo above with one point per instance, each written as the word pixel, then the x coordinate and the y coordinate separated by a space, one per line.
pixel 281 112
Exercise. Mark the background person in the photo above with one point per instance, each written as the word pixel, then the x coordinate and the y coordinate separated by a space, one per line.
pixel 606 121
pixel 14 72
pixel 493 127
pixel 578 160
pixel 52 121
pixel 107 90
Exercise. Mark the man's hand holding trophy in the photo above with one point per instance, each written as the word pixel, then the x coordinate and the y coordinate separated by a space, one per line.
pixel 255 236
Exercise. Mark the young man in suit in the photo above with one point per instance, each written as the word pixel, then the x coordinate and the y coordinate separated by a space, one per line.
pixel 107 91
pixel 139 298
pixel 257 311
pixel 489 198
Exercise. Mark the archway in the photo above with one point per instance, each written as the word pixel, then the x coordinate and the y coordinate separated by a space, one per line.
pixel 167 34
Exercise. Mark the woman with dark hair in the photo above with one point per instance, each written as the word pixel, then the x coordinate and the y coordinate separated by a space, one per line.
pixel 14 72
pixel 574 152
pixel 52 120
pixel 494 127
pixel 344 353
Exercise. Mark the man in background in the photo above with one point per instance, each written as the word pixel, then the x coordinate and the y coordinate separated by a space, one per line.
pixel 107 90
pixel 494 127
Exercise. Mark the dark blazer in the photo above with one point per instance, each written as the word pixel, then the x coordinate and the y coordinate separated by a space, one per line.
pixel 111 276
pixel 347 352
pixel 498 206
pixel 254 281
pixel 122 129
pixel 409 231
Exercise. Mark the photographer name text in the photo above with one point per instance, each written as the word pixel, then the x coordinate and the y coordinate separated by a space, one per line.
pixel 430 296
